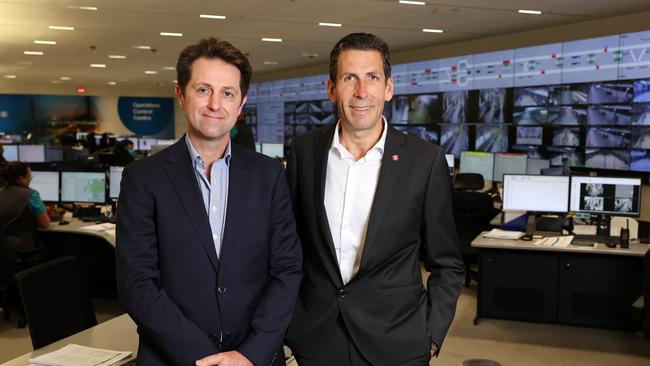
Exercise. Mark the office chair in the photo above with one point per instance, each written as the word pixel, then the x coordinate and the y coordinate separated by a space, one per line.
pixel 472 214
pixel 56 301
pixel 646 294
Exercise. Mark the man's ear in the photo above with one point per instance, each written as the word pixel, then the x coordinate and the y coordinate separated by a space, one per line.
pixel 389 89
pixel 180 96
pixel 330 91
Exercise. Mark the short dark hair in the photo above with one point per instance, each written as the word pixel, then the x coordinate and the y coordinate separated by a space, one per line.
pixel 14 170
pixel 362 42
pixel 213 48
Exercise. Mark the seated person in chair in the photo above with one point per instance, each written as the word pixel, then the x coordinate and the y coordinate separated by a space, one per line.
pixel 21 209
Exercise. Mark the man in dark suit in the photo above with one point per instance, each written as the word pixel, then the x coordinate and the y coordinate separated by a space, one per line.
pixel 208 259
pixel 366 199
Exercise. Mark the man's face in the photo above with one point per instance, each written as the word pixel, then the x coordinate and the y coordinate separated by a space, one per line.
pixel 212 99
pixel 360 89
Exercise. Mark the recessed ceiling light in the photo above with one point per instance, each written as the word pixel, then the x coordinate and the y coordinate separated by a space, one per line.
pixel 270 62
pixel 34 53
pixel 61 27
pixel 142 47
pixel 323 24
pixel 56 81
pixel 408 2
pixel 99 66
pixel 44 42
pixel 429 30
pixel 150 72
pixel 272 39
pixel 65 78
pixel 534 12
pixel 121 57
pixel 210 16
pixel 111 83
pixel 10 76
pixel 171 34
pixel 169 68
pixel 175 81
pixel 93 8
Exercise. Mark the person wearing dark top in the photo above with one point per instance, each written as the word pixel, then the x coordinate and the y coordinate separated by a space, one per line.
pixel 21 209
pixel 242 135
pixel 123 153
pixel 90 143
pixel 3 161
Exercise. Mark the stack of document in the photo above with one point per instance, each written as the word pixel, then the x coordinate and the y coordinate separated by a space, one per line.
pixel 503 234
pixel 555 241
pixel 76 355
pixel 106 227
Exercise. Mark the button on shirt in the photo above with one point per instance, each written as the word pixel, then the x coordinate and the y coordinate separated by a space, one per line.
pixel 213 190
pixel 349 193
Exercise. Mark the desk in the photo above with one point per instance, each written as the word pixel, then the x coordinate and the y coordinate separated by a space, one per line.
pixel 117 334
pixel 573 285
pixel 75 227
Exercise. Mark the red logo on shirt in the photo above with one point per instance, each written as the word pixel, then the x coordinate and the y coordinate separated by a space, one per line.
pixel 395 157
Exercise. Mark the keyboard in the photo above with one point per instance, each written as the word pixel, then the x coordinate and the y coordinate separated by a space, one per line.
pixel 589 240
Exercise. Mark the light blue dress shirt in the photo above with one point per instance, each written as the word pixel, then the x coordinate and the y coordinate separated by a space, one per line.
pixel 213 190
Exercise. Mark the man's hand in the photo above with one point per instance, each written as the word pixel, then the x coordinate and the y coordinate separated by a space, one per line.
pixel 231 358
pixel 434 351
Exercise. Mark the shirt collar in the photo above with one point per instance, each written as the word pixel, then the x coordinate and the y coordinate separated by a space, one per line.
pixel 197 159
pixel 378 147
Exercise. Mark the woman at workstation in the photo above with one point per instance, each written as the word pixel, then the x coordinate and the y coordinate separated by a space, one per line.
pixel 21 208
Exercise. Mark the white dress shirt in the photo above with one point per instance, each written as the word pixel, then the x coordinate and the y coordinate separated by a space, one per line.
pixel 349 193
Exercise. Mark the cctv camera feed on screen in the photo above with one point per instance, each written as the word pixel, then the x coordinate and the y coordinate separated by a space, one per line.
pixel 492 138
pixel 569 136
pixel 611 92
pixel 532 151
pixel 491 105
pixel 530 116
pixel 569 94
pixel 572 116
pixel 607 159
pixel 640 160
pixel 609 115
pixel 413 109
pixel 565 156
pixel 420 131
pixel 529 135
pixel 454 139
pixel 313 112
pixel 454 106
pixel 642 91
pixel 641 114
pixel 641 138
pixel 608 137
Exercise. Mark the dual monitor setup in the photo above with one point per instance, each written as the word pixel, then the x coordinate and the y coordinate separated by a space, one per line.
pixel 493 166
pixel 601 196
pixel 87 187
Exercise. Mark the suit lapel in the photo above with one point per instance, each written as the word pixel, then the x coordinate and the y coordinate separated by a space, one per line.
pixel 183 179
pixel 322 143
pixel 237 188
pixel 391 164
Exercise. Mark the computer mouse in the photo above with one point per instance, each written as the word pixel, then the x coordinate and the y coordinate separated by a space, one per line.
pixel 63 222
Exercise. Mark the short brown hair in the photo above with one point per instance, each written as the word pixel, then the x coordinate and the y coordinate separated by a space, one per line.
pixel 14 170
pixel 362 42
pixel 213 48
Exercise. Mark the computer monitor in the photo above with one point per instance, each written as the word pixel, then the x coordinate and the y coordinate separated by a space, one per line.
pixel 273 150
pixel 535 166
pixel 606 195
pixel 144 144
pixel 83 187
pixel 477 162
pixel 114 179
pixel 535 193
pixel 31 153
pixel 53 153
pixel 509 163
pixel 46 184
pixel 10 152
pixel 450 163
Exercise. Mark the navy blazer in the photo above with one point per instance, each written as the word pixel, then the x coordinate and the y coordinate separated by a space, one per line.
pixel 187 302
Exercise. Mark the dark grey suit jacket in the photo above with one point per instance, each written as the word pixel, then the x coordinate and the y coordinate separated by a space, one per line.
pixel 390 316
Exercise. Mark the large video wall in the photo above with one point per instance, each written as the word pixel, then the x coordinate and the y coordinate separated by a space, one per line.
pixel 582 103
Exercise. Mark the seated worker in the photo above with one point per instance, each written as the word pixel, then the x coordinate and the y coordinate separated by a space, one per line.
pixel 21 209
pixel 123 153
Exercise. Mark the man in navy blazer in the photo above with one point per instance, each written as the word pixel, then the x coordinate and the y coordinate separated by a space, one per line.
pixel 208 259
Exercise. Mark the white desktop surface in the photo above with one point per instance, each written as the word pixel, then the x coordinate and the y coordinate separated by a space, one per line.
pixel 75 227
pixel 636 249
pixel 117 334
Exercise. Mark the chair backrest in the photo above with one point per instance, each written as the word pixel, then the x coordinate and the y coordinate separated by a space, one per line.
pixel 646 294
pixel 472 214
pixel 468 181
pixel 56 300
pixel 6 264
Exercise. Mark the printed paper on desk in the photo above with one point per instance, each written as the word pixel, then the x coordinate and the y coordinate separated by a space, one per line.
pixel 76 355
pixel 503 234
pixel 99 227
